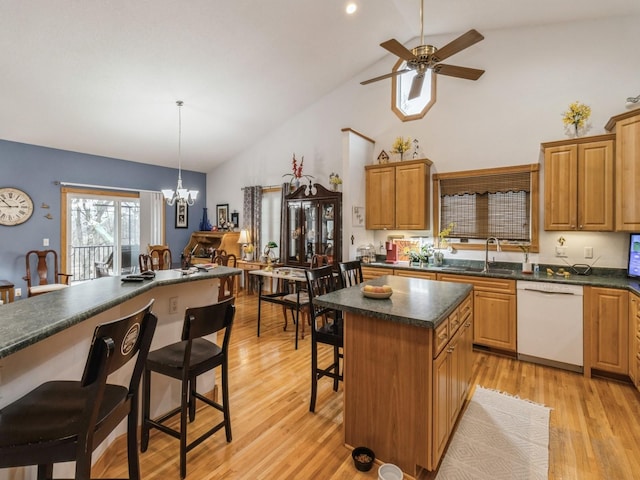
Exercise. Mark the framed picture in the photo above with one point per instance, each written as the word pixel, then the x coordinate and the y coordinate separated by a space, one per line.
pixel 357 217
pixel 222 215
pixel 182 214
pixel 235 219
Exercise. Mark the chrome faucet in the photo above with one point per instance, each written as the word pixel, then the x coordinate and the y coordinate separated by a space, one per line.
pixel 486 251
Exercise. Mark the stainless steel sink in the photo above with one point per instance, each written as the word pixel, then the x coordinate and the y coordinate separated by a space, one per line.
pixel 496 271
pixel 462 269
pixel 500 271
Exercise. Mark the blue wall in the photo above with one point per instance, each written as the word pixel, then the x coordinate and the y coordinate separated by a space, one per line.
pixel 35 169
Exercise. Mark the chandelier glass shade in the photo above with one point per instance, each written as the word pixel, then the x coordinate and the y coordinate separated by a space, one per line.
pixel 180 194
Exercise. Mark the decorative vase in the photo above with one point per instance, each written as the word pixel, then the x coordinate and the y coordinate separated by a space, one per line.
pixel 576 127
pixel 526 267
pixel 205 225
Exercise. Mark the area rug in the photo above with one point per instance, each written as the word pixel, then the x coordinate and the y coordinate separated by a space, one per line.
pixel 499 437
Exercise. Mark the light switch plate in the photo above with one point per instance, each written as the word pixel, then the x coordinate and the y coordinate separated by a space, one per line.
pixel 588 252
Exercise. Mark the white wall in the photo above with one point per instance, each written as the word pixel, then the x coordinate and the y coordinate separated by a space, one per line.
pixel 532 74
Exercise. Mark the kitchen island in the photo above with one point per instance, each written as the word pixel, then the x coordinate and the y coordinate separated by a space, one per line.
pixel 407 367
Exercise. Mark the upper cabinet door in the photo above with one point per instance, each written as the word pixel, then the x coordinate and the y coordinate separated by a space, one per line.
pixel 579 184
pixel 412 196
pixel 628 174
pixel 380 198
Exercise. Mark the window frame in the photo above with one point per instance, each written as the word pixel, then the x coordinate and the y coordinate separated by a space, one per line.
pixel 533 169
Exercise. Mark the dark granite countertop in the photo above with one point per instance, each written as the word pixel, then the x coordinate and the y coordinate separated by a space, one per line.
pixel 28 321
pixel 415 301
pixel 601 277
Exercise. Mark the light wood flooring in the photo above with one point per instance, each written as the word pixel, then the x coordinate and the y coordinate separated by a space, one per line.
pixel 595 423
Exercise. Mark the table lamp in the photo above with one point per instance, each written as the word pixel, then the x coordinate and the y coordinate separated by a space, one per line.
pixel 245 239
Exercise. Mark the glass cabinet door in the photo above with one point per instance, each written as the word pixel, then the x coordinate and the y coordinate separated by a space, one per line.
pixel 310 214
pixel 327 236
pixel 296 234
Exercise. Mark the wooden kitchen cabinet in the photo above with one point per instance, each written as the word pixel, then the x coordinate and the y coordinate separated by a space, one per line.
pixel 369 273
pixel 627 165
pixel 579 184
pixel 397 195
pixel 606 330
pixel 494 306
pixel 634 339
pixel 452 370
pixel 415 274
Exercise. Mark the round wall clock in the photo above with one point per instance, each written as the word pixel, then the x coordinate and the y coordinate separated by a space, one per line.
pixel 16 206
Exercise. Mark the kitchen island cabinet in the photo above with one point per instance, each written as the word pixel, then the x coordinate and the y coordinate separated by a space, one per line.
pixel 407 367
pixel 634 339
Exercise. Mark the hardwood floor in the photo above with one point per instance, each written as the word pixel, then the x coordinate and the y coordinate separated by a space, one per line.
pixel 595 423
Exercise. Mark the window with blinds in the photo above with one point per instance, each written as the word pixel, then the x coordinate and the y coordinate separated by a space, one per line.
pixel 493 204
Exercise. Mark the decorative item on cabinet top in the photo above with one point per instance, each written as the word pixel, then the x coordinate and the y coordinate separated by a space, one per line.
pixel 576 116
pixel 401 145
pixel 297 172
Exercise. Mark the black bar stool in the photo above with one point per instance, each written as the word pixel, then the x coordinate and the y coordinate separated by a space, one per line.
pixel 186 360
pixel 63 421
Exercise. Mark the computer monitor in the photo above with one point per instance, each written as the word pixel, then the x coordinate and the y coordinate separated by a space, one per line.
pixel 633 265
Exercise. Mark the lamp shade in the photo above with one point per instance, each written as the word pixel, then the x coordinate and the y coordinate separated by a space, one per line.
pixel 244 236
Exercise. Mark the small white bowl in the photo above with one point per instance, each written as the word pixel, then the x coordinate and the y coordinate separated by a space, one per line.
pixel 389 471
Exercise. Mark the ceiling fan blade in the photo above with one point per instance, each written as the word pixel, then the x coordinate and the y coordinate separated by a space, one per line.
pixel 460 72
pixel 416 86
pixel 463 41
pixel 382 77
pixel 398 49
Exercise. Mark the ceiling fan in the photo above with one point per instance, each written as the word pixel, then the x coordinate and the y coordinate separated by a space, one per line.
pixel 425 57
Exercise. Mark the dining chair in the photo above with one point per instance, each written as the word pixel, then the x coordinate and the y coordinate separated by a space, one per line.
pixel 227 284
pixel 185 360
pixel 158 257
pixel 42 274
pixel 350 273
pixel 329 332
pixel 64 421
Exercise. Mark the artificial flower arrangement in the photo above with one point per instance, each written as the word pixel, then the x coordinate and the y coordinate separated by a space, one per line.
pixel 444 233
pixel 401 145
pixel 334 179
pixel 297 170
pixel 577 115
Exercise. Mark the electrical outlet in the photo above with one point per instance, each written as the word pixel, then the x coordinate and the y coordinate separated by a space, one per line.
pixel 173 305
pixel 561 251
pixel 588 252
pixel 18 292
pixel 45 242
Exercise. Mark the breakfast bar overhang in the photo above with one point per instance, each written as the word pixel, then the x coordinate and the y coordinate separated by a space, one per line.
pixel 407 367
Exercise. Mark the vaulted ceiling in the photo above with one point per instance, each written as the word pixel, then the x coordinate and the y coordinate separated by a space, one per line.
pixel 102 76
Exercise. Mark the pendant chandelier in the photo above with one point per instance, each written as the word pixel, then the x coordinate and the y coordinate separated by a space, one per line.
pixel 180 194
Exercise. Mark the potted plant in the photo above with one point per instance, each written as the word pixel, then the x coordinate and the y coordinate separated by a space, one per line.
pixel 526 264
pixel 248 252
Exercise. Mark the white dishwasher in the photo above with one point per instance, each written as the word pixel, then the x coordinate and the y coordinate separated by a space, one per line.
pixel 550 324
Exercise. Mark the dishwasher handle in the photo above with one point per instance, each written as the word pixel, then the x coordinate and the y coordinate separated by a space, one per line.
pixel 548 292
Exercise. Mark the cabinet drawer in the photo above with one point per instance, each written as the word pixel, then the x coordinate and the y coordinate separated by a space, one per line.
pixel 498 285
pixel 414 274
pixel 441 337
pixel 455 320
pixel 465 309
pixel 369 273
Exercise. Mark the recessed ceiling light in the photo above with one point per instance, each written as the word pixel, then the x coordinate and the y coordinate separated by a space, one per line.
pixel 351 8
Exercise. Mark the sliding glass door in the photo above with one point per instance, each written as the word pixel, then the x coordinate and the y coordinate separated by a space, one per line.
pixel 102 233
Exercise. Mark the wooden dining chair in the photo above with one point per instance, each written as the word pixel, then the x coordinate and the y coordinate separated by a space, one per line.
pixel 42 274
pixel 350 273
pixel 227 284
pixel 158 257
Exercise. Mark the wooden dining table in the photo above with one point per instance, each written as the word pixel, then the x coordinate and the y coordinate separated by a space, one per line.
pixel 286 277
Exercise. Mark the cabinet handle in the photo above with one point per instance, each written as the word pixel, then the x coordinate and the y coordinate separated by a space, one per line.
pixel 451 349
pixel 443 335
pixel 467 324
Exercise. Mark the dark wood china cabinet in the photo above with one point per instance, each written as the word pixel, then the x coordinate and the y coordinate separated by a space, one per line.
pixel 313 222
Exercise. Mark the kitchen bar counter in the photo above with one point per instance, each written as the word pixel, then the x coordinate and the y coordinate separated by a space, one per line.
pixel 31 320
pixel 407 367
pixel 47 337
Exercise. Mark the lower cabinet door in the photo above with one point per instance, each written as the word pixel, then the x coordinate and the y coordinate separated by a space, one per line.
pixel 495 320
